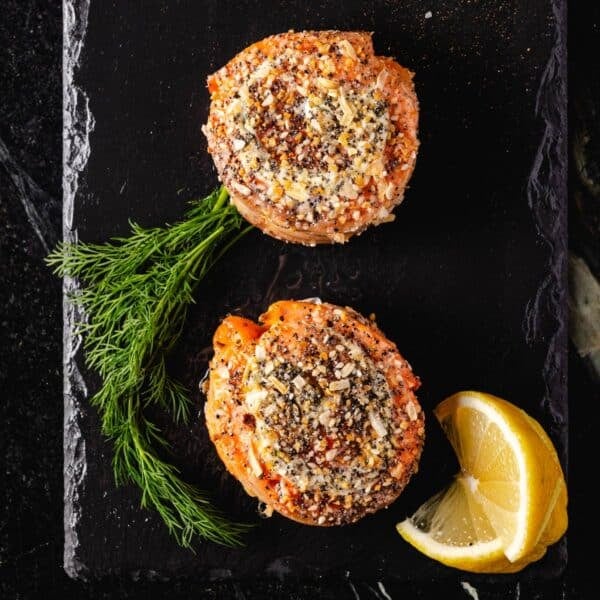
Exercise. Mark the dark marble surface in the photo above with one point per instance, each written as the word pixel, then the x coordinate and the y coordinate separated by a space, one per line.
pixel 31 399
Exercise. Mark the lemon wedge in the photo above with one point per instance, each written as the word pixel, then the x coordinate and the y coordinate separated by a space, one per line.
pixel 507 504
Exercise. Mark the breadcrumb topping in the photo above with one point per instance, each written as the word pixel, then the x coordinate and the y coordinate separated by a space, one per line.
pixel 324 419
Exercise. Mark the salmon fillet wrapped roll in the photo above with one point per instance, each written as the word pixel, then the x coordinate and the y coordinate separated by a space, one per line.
pixel 314 136
pixel 314 411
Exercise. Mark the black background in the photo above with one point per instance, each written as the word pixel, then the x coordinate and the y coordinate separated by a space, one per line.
pixel 30 367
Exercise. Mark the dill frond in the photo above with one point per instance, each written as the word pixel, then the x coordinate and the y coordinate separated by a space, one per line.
pixel 135 291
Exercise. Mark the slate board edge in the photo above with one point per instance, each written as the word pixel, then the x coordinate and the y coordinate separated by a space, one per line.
pixel 77 125
pixel 546 194
pixel 547 198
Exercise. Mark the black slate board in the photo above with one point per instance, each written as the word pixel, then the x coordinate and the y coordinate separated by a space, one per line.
pixel 469 281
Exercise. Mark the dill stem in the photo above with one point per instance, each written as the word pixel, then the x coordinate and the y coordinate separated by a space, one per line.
pixel 221 199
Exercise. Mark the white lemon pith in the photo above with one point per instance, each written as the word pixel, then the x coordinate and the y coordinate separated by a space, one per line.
pixel 507 504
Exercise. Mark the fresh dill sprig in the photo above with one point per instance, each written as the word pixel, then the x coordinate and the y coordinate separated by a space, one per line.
pixel 135 293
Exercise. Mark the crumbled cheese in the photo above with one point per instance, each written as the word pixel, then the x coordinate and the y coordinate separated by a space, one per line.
pixel 269 367
pixel 411 410
pixel 347 49
pixel 377 424
pixel 238 144
pixel 382 78
pixel 299 382
pixel 347 110
pixel 331 454
pixel 254 398
pixel 327 84
pixel 324 417
pixel 242 189
pixel 223 372
pixel 278 385
pixel 342 384
pixel 255 466
pixel 347 369
pixel 297 192
pixel 389 194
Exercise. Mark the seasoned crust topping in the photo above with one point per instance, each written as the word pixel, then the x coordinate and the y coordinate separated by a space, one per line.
pixel 326 414
pixel 325 417
pixel 317 131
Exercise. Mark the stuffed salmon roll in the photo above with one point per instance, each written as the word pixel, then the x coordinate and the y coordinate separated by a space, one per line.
pixel 313 135
pixel 314 411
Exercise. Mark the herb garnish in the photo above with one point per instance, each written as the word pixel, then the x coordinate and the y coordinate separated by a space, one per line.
pixel 135 293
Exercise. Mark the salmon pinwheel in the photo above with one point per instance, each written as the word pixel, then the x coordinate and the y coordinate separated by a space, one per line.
pixel 314 411
pixel 314 136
